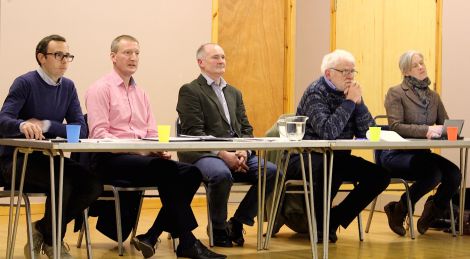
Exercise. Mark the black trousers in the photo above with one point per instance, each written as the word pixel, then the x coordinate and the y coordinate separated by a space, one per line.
pixel 371 181
pixel 80 187
pixel 176 182
pixel 428 170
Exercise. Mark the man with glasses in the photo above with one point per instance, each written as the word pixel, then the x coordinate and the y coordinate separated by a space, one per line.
pixel 336 110
pixel 35 108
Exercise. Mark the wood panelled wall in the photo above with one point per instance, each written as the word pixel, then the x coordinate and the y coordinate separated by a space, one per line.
pixel 254 36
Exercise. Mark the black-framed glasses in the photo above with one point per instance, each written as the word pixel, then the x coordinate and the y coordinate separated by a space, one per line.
pixel 61 56
pixel 346 72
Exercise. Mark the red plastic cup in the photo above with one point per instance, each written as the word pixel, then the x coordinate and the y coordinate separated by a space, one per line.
pixel 452 133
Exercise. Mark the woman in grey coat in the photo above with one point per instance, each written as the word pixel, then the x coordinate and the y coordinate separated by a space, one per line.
pixel 416 111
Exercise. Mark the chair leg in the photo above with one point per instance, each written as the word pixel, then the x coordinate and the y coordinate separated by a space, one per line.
pixel 86 228
pixel 371 214
pixel 134 229
pixel 80 234
pixel 452 219
pixel 29 226
pixel 118 221
pixel 359 225
pixel 209 220
pixel 410 210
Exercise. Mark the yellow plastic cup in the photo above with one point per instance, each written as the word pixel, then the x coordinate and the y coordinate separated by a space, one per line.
pixel 163 133
pixel 374 133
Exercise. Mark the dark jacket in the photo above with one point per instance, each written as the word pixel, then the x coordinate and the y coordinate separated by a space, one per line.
pixel 201 114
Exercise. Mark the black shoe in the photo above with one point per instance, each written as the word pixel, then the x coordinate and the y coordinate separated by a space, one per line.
pixel 430 213
pixel 331 235
pixel 235 230
pixel 221 238
pixel 396 215
pixel 198 251
pixel 143 245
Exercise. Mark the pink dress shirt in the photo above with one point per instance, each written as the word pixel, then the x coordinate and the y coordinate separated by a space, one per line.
pixel 117 112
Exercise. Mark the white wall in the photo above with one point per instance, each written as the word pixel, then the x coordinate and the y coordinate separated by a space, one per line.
pixel 456 65
pixel 169 33
pixel 312 43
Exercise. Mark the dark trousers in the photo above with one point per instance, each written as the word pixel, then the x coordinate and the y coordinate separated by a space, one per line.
pixel 220 178
pixel 176 182
pixel 427 170
pixel 371 181
pixel 80 188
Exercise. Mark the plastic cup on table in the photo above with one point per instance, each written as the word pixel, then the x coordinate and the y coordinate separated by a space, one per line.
pixel 452 133
pixel 374 133
pixel 73 133
pixel 163 133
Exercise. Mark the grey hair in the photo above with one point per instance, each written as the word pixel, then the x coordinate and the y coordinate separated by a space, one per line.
pixel 330 60
pixel 405 64
pixel 201 51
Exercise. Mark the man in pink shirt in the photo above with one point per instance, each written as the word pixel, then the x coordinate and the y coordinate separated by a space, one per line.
pixel 117 108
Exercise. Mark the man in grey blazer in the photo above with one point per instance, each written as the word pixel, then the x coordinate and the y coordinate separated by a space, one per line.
pixel 210 106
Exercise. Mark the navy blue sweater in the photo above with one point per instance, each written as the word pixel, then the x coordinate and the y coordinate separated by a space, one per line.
pixel 31 97
pixel 331 115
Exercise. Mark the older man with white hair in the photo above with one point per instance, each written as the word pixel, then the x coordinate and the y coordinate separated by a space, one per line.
pixel 336 110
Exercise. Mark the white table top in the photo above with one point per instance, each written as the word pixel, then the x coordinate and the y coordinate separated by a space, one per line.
pixel 100 145
pixel 90 145
pixel 409 144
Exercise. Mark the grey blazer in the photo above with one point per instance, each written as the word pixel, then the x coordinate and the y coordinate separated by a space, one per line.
pixel 201 114
pixel 408 116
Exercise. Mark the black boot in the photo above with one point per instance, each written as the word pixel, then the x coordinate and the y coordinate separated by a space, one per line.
pixel 396 214
pixel 235 230
pixel 430 213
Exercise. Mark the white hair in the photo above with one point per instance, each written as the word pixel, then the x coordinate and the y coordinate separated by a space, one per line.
pixel 330 60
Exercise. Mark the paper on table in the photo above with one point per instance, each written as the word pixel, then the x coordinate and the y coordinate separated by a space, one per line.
pixel 388 135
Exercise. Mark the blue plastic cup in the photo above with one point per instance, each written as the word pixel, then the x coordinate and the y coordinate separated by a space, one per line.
pixel 73 133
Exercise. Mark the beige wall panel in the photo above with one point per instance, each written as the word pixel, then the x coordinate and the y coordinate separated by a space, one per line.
pixel 413 27
pixel 169 33
pixel 252 35
pixel 312 42
pixel 359 30
pixel 455 66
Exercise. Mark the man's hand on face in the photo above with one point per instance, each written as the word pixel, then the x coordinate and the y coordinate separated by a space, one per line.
pixel 353 92
pixel 32 129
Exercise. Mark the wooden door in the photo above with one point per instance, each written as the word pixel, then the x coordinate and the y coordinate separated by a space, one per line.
pixel 255 40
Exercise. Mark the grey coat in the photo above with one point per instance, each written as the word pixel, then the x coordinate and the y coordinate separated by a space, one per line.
pixel 408 116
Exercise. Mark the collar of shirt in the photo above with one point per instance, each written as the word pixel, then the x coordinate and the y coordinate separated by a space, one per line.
pixel 211 82
pixel 329 83
pixel 47 79
pixel 117 80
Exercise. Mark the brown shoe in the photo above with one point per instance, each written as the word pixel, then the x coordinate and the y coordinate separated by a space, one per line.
pixel 430 213
pixel 396 215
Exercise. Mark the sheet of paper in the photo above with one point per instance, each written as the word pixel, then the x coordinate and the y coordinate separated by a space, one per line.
pixel 388 135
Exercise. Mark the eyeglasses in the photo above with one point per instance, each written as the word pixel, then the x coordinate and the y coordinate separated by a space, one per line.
pixel 60 56
pixel 346 72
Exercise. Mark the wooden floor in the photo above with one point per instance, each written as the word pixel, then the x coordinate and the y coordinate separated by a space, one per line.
pixel 379 243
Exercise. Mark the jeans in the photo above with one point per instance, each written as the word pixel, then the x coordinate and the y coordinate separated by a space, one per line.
pixel 219 179
pixel 427 170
